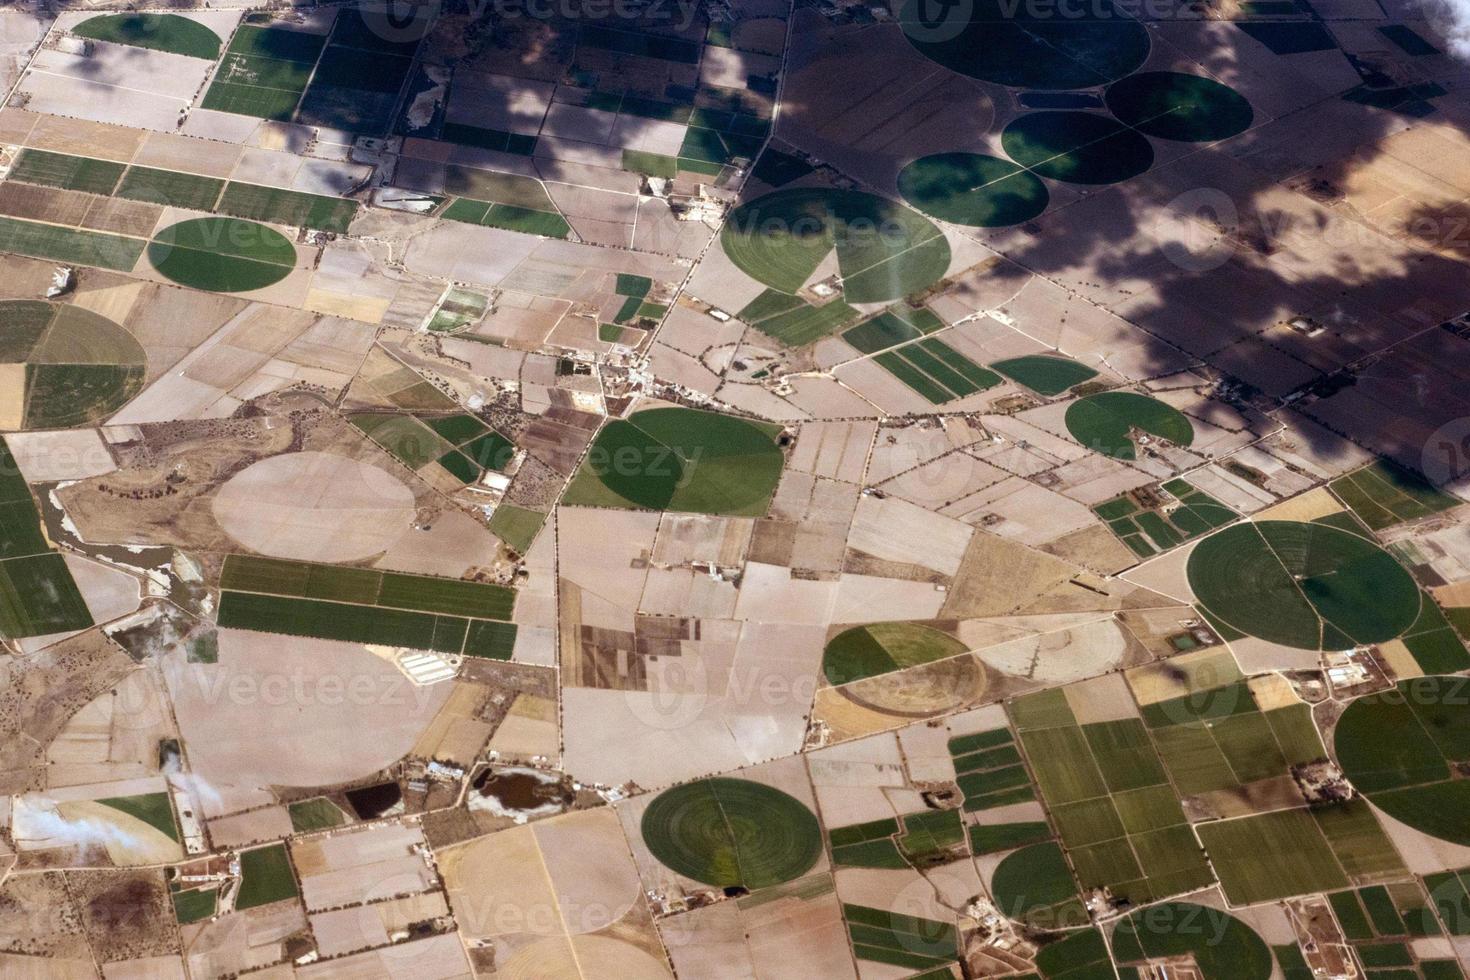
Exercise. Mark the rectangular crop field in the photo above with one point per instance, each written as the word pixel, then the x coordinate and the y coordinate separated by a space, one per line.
pixel 68 172
pixel 39 597
pixel 510 217
pixel 1384 494
pixel 1271 856
pixel 265 877
pixel 367 606
pixel 168 187
pixel 1111 801
pixel 70 245
pixel 804 323
pixel 264 71
pixel 283 207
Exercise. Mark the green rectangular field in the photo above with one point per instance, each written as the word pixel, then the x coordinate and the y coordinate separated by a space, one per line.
pixel 528 221
pixel 931 365
pixel 933 391
pixel 978 376
pixel 490 640
pixel 1361 846
pixel 39 597
pixel 70 245
pixel 336 621
pixel 194 904
pixel 885 330
pixel 805 324
pixel 1193 759
pixel 67 172
pixel 251 100
pixel 265 877
pixel 450 597
pixel 1065 770
pixel 283 207
pixel 1271 856
pixel 20 530
pixel 318 813
pixel 169 187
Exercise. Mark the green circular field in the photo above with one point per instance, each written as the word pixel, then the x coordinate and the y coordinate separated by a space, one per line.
pixel 1013 45
pixel 1105 421
pixel 222 255
pixel 1077 147
pixel 159 32
pixel 1175 106
pixel 1223 947
pixel 1403 748
pixel 63 366
pixel 732 832
pixel 884 250
pixel 682 459
pixel 878 648
pixel 1034 886
pixel 972 189
pixel 1308 586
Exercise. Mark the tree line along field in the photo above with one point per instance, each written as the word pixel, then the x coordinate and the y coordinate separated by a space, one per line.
pixel 361 605
pixel 258 202
pixel 37 593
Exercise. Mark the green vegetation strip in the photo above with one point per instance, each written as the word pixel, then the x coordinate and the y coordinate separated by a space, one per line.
pixel 70 245
pixel 909 941
pixel 732 832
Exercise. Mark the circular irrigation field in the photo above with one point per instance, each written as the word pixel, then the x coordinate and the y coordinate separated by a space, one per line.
pixel 879 648
pixel 1223 947
pixel 1024 48
pixel 1404 749
pixel 63 366
pixel 1308 586
pixel 1077 147
pixel 158 32
pixel 222 255
pixel 884 250
pixel 1175 106
pixel 972 189
pixel 1106 421
pixel 682 459
pixel 732 832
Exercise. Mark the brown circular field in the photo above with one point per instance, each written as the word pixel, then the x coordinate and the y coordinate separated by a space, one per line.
pixel 920 692
pixel 314 506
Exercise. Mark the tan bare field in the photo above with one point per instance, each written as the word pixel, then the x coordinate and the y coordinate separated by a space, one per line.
pixel 291 712
pixel 314 506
